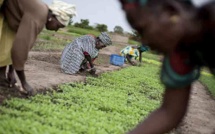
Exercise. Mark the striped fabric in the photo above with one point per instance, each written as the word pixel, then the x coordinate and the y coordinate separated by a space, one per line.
pixel 73 53
pixel 104 37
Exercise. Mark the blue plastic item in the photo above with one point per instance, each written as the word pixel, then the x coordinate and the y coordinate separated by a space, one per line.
pixel 116 60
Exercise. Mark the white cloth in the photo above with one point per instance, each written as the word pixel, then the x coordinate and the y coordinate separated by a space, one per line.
pixel 63 11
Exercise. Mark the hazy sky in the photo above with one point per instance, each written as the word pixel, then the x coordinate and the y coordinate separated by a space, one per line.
pixel 103 12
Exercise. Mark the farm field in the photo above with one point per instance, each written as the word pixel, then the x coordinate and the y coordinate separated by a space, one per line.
pixel 112 103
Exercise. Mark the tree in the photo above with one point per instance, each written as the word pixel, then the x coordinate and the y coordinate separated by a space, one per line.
pixel 102 27
pixel 83 24
pixel 118 29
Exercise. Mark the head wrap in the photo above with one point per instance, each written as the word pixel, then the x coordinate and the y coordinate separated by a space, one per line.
pixel 104 37
pixel 63 11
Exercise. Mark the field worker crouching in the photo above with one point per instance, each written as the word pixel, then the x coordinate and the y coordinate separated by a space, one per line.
pixel 84 48
pixel 25 20
pixel 186 35
pixel 132 53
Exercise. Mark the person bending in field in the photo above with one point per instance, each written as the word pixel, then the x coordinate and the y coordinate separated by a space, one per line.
pixel 20 23
pixel 132 53
pixel 81 51
pixel 186 36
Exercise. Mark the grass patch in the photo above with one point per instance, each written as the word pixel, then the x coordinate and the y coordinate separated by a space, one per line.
pixel 70 33
pixel 151 61
pixel 151 56
pixel 206 77
pixel 132 42
pixel 82 31
pixel 45 37
pixel 209 81
pixel 50 46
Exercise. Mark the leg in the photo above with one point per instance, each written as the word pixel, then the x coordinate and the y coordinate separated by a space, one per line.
pixel 3 80
pixel 11 76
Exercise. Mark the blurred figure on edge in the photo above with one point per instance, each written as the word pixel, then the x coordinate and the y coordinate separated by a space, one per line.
pixel 185 34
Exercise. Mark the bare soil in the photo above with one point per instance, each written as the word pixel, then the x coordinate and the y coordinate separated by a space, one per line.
pixel 43 73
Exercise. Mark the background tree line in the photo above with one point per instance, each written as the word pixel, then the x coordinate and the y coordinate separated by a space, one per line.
pixel 84 23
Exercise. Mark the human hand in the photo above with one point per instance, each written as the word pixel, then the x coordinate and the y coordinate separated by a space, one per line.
pixel 92 71
pixel 27 89
pixel 134 63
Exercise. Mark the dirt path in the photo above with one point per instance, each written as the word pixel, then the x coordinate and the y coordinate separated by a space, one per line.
pixel 201 113
pixel 43 69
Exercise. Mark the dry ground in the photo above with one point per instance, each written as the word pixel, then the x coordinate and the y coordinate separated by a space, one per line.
pixel 43 73
pixel 200 118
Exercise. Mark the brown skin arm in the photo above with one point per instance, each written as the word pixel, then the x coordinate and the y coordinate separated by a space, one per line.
pixel 168 116
pixel 140 57
pixel 128 58
pixel 89 59
pixel 3 81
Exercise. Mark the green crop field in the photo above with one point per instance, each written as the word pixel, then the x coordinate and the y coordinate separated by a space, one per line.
pixel 113 103
pixel 209 81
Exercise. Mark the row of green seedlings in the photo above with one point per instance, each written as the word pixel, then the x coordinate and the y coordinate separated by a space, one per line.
pixel 111 104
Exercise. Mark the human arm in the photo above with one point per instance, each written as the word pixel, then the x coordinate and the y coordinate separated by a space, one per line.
pixel 23 42
pixel 177 77
pixel 28 89
pixel 168 115
pixel 129 60
pixel 90 60
pixel 140 56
